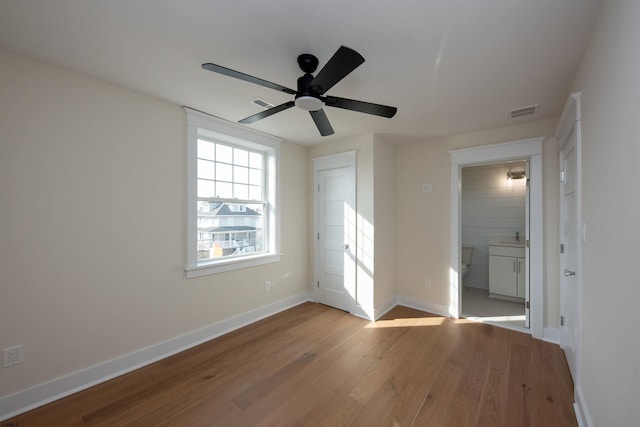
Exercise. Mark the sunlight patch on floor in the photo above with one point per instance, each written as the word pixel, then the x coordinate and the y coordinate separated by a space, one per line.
pixel 407 322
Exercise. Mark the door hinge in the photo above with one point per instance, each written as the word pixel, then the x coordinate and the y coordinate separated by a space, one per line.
pixel 561 320
pixel 561 248
pixel 526 243
pixel 528 305
pixel 318 188
pixel 318 236
pixel 318 284
pixel 561 176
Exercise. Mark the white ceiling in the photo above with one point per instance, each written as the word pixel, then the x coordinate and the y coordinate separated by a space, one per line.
pixel 450 66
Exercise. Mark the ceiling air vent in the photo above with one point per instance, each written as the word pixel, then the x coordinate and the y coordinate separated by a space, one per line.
pixel 262 103
pixel 524 111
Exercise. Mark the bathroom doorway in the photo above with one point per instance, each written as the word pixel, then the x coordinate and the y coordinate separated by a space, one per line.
pixel 493 232
pixel 528 150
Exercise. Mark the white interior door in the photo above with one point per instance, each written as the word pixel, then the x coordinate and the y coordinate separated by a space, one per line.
pixel 524 264
pixel 335 284
pixel 570 242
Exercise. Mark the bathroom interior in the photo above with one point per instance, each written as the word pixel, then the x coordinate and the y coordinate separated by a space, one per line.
pixel 493 234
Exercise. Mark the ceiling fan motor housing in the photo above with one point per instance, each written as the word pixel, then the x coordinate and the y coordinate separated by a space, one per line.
pixel 308 63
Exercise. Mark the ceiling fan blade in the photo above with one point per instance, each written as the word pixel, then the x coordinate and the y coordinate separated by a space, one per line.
pixel 264 114
pixel 344 61
pixel 322 122
pixel 361 106
pixel 246 77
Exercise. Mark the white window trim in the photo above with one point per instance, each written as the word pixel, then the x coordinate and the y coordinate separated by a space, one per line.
pixel 224 131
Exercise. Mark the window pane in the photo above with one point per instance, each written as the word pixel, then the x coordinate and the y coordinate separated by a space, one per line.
pixel 242 234
pixel 224 172
pixel 255 193
pixel 206 188
pixel 240 157
pixel 240 175
pixel 241 191
pixel 206 150
pixel 255 160
pixel 225 190
pixel 255 176
pixel 206 169
pixel 206 206
pixel 224 153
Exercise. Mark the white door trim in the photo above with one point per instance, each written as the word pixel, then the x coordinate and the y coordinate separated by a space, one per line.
pixel 341 160
pixel 530 149
pixel 527 228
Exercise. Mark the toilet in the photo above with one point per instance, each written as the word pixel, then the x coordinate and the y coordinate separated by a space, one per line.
pixel 465 259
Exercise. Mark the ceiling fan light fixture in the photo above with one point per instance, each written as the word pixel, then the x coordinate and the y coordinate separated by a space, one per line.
pixel 308 103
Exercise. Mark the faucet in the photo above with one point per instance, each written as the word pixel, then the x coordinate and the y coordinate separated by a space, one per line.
pixel 517 236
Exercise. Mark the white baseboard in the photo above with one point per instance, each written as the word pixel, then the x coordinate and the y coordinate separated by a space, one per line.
pixel 429 307
pixel 360 312
pixel 383 309
pixel 377 313
pixel 551 335
pixel 44 393
pixel 580 408
pixel 406 301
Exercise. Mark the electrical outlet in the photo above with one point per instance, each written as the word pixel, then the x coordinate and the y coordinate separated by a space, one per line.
pixel 267 285
pixel 12 356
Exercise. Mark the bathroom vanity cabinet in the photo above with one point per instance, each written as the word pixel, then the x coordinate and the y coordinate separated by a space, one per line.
pixel 507 272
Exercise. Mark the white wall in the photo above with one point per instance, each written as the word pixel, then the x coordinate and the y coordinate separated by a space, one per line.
pixel 384 157
pixel 610 88
pixel 423 219
pixel 92 226
pixel 491 206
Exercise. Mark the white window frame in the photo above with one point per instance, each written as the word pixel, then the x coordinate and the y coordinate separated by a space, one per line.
pixel 203 125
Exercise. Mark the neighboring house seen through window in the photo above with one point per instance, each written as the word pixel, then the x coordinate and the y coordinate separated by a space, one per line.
pixel 233 197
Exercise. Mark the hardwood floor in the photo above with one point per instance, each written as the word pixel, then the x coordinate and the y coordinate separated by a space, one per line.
pixel 314 365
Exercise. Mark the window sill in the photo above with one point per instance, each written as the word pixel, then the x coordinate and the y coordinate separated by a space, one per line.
pixel 230 265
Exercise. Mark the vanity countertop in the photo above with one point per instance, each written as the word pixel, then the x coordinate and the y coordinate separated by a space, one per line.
pixel 507 241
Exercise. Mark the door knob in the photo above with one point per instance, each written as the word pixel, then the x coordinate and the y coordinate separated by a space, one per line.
pixel 568 273
pixel 346 246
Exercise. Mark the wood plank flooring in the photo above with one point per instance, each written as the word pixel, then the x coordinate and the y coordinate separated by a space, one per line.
pixel 317 366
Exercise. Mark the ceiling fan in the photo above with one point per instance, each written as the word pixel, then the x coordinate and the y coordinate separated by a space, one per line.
pixel 310 95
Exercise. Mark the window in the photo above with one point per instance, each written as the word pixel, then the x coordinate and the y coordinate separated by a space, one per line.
pixel 233 195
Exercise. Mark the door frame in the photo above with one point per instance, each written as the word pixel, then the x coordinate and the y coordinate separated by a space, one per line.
pixel 527 227
pixel 525 149
pixel 334 161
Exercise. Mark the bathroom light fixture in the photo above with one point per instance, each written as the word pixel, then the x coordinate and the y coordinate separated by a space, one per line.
pixel 516 174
